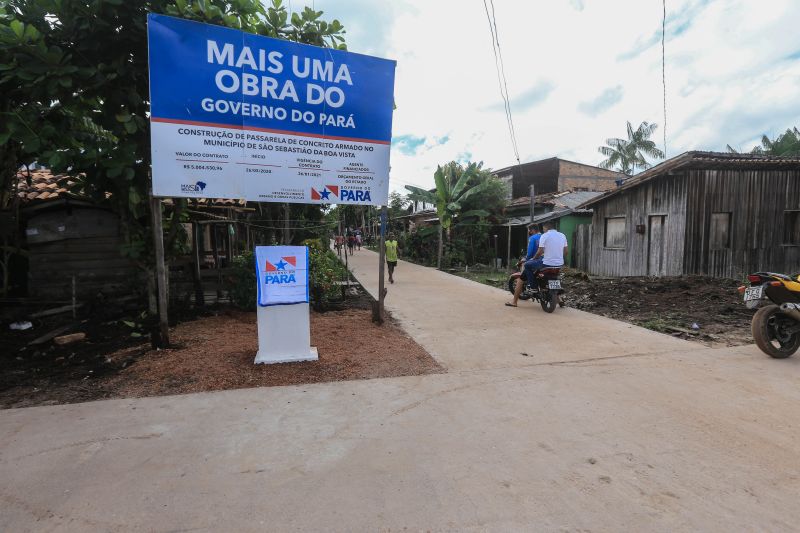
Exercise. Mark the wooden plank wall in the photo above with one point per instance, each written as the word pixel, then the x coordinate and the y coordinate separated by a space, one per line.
pixel 756 200
pixel 84 243
pixel 582 247
pixel 658 197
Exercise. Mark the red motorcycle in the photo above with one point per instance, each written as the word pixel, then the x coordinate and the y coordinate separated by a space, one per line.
pixel 546 289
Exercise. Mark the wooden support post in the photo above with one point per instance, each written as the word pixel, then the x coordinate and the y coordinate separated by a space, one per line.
pixel 347 270
pixel 161 271
pixel 377 310
pixel 508 260
pixel 286 217
pixel 197 244
pixel 74 299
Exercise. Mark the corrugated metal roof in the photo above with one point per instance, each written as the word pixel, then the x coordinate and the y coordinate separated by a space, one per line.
pixel 701 160
pixel 561 198
pixel 575 198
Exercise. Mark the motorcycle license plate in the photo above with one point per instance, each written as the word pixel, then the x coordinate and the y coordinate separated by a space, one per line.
pixel 554 284
pixel 753 293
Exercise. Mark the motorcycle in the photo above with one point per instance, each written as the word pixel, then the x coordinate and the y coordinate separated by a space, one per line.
pixel 546 290
pixel 776 324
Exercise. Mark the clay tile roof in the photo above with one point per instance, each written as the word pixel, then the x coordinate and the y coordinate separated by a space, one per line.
pixel 48 186
pixel 44 185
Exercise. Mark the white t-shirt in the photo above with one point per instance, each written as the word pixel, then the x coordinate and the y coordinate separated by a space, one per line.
pixel 553 243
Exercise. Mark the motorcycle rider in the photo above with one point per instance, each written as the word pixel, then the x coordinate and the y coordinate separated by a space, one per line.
pixel 531 264
pixel 552 247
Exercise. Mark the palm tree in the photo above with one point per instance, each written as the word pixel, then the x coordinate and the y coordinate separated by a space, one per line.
pixel 453 187
pixel 785 144
pixel 627 155
pixel 617 153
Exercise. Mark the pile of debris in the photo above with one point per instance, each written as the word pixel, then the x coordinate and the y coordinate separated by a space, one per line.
pixel 697 308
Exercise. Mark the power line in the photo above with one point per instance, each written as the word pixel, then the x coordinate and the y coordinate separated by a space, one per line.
pixel 501 76
pixel 405 182
pixel 505 82
pixel 664 70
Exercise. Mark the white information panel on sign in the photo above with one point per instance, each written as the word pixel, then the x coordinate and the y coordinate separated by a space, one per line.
pixel 238 115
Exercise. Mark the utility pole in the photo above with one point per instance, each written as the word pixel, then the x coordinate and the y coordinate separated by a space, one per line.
pixel 533 201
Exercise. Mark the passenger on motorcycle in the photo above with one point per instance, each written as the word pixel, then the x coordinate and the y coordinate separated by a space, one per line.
pixel 552 247
pixel 530 263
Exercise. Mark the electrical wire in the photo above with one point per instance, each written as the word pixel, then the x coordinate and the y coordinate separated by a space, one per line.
pixel 664 70
pixel 505 82
pixel 501 77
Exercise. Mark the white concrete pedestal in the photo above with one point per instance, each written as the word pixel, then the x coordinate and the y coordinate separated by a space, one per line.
pixel 284 334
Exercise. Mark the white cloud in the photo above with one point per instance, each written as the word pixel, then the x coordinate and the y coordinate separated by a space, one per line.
pixel 733 73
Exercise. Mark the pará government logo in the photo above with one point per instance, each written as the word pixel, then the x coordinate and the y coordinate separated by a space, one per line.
pixel 332 193
pixel 282 271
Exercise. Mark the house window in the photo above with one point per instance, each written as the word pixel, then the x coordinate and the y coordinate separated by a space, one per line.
pixel 615 232
pixel 791 223
pixel 720 234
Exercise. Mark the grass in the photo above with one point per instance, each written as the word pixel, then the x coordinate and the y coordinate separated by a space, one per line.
pixel 662 325
pixel 491 278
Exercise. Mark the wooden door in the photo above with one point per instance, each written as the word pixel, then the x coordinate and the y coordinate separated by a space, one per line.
pixel 656 237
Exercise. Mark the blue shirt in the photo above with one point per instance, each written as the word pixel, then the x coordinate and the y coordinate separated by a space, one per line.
pixel 533 245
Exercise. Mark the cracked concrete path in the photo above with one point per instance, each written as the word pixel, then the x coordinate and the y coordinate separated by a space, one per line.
pixel 645 433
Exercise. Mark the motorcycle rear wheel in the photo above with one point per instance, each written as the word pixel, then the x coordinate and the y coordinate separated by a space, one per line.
pixel 767 331
pixel 549 301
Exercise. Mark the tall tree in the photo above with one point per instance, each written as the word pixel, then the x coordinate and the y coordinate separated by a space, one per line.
pixel 627 155
pixel 785 144
pixel 455 185
pixel 74 86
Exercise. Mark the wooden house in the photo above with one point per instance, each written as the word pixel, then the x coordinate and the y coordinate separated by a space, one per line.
pixel 719 214
pixel 70 240
pixel 69 237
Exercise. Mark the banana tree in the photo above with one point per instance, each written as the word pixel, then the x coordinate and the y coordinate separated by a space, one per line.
pixel 454 185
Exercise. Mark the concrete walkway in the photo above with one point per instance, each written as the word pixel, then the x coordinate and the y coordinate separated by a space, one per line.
pixel 606 428
pixel 466 325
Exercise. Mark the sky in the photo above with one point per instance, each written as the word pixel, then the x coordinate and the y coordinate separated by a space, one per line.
pixel 576 71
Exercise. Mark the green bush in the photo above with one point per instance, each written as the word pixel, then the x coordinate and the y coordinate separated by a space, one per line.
pixel 323 270
pixel 242 281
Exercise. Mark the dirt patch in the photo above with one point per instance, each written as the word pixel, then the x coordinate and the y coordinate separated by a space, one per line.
pixel 667 305
pixel 697 308
pixel 214 352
